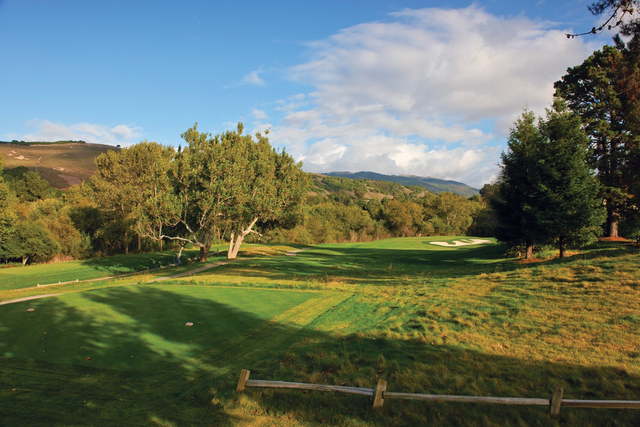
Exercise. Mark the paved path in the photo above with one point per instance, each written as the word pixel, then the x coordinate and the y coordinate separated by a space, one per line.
pixel 28 298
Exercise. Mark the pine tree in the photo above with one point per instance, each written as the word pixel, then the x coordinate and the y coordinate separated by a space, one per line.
pixel 547 191
pixel 516 202
pixel 571 211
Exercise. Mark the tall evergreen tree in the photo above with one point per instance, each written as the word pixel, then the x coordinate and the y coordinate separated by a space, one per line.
pixel 601 91
pixel 516 202
pixel 571 212
pixel 547 192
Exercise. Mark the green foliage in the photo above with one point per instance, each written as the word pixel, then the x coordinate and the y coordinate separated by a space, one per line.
pixel 7 215
pixel 29 242
pixel 572 211
pixel 128 182
pixel 547 193
pixel 403 219
pixel 32 188
pixel 225 186
pixel 603 91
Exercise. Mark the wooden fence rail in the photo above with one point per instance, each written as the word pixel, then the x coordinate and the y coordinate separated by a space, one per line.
pixel 380 393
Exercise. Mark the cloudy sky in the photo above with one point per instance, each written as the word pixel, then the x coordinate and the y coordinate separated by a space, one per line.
pixel 426 88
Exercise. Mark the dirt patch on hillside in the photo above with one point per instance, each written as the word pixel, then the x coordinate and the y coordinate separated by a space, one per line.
pixel 72 180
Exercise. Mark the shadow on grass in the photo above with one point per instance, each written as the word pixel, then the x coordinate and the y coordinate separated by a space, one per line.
pixel 388 266
pixel 355 265
pixel 187 375
pixel 120 264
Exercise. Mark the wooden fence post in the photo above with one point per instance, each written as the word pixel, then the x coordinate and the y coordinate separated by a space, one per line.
pixel 244 376
pixel 556 401
pixel 378 401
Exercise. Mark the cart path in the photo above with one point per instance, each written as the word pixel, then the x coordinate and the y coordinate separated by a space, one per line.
pixel 28 298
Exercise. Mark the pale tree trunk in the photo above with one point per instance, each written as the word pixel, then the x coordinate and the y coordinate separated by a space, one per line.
pixel 160 234
pixel 230 250
pixel 234 247
pixel 233 253
pixel 613 219
pixel 24 260
pixel 178 262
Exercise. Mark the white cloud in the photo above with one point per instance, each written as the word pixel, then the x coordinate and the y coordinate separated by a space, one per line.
pixel 253 78
pixel 44 130
pixel 258 114
pixel 432 92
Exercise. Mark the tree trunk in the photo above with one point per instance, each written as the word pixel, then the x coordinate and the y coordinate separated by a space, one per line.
pixel 126 243
pixel 178 262
pixel 562 244
pixel 230 250
pixel 235 247
pixel 204 253
pixel 139 244
pixel 613 219
pixel 24 260
pixel 233 253
pixel 529 250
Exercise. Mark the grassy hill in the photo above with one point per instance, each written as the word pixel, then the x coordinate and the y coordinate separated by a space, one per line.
pixel 63 165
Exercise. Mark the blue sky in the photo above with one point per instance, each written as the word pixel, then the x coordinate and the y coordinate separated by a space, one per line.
pixel 427 88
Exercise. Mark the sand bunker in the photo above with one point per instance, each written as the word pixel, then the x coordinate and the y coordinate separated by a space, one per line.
pixel 464 242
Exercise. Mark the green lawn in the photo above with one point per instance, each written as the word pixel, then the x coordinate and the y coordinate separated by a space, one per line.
pixel 137 327
pixel 44 274
pixel 427 319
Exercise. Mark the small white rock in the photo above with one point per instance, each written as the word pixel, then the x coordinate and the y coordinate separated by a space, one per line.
pixel 188 324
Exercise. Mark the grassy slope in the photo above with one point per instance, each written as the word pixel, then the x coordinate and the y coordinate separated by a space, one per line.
pixel 73 160
pixel 452 321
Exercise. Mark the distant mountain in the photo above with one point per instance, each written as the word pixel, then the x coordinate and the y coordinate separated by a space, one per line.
pixel 434 185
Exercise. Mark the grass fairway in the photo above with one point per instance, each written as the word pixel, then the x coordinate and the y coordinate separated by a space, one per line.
pixel 426 318
pixel 44 274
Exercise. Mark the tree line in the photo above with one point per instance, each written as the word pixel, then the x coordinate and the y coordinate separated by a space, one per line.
pixel 224 188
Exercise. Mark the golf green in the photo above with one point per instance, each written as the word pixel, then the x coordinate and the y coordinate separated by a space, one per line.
pixel 143 327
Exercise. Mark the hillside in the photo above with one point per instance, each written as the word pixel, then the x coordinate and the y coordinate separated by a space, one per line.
pixel 66 164
pixel 62 165
pixel 433 185
pixel 340 188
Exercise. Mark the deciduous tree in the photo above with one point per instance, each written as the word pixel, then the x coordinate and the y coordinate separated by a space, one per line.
pixel 226 185
pixel 7 216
